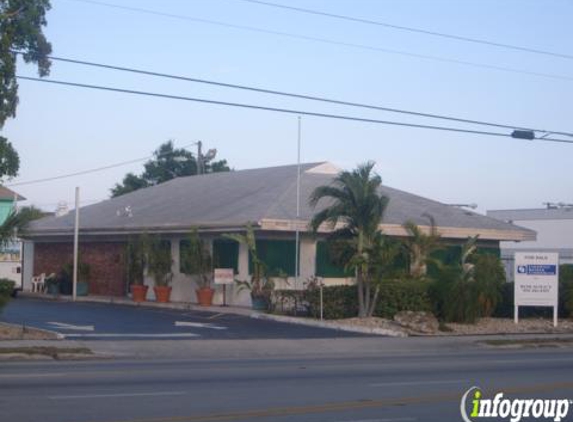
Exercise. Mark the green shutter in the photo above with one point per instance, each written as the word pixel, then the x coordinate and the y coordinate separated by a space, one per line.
pixel 277 255
pixel 226 254
pixel 325 265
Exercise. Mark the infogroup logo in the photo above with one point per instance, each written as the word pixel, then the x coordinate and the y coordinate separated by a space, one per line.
pixel 512 409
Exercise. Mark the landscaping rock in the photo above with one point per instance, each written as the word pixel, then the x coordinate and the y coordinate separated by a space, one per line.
pixel 421 322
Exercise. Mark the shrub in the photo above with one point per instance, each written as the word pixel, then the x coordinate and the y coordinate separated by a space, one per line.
pixel 338 302
pixel 454 295
pixel 566 290
pixel 6 290
pixel 408 294
pixel 394 296
pixel 489 276
pixel 505 308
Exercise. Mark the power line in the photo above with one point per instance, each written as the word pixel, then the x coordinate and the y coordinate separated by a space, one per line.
pixel 300 96
pixel 330 41
pixel 281 110
pixel 94 170
pixel 411 29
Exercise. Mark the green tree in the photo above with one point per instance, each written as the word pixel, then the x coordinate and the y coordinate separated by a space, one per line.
pixel 354 212
pixel 21 24
pixel 16 223
pixel 167 163
pixel 420 245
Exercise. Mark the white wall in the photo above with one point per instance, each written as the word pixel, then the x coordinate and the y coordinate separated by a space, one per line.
pixel 551 234
pixel 184 286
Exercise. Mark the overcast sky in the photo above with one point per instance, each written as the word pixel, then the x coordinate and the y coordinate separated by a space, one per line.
pixel 61 130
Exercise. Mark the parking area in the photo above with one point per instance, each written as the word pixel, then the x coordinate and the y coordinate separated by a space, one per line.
pixel 95 321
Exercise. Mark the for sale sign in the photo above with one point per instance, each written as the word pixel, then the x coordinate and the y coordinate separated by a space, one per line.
pixel 536 279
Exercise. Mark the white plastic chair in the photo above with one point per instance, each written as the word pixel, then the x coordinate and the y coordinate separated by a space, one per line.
pixel 38 283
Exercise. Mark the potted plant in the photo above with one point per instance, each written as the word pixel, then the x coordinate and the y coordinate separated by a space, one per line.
pixel 196 260
pixel 159 263
pixel 260 285
pixel 52 283
pixel 66 279
pixel 135 254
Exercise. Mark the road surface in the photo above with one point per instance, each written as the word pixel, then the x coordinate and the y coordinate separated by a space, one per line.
pixel 409 386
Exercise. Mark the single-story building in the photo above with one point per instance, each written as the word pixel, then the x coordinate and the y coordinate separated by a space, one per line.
pixel 220 203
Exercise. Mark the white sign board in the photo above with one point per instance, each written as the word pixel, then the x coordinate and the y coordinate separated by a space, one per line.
pixel 224 276
pixel 536 280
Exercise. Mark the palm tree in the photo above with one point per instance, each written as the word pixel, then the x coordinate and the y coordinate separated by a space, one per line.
pixel 420 245
pixel 354 214
pixel 16 223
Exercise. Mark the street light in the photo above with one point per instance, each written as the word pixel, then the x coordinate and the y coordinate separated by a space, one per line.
pixel 202 159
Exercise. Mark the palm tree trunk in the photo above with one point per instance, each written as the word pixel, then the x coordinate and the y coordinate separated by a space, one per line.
pixel 360 283
pixel 360 277
pixel 372 306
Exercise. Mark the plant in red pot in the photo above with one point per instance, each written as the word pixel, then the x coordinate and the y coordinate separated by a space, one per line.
pixel 135 257
pixel 196 260
pixel 159 263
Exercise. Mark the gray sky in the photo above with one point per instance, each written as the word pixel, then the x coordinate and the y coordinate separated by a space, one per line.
pixel 62 130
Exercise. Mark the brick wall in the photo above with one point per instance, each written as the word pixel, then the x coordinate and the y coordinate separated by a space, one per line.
pixel 106 261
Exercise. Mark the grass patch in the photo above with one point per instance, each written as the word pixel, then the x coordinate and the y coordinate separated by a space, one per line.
pixel 53 352
pixel 536 342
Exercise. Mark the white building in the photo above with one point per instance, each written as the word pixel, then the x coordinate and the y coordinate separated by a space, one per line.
pixel 554 227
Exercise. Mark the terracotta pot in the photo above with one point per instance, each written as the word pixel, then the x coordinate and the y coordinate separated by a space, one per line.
pixel 205 296
pixel 139 292
pixel 162 293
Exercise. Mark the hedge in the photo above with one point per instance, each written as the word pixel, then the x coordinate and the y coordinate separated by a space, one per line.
pixel 6 290
pixel 395 296
pixel 505 308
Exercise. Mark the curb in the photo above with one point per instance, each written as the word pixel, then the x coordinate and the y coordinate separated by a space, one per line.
pixel 329 325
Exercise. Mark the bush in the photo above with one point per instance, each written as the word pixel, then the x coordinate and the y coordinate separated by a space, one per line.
pixel 505 308
pixel 403 295
pixel 338 302
pixel 566 290
pixel 489 276
pixel 394 296
pixel 454 296
pixel 6 290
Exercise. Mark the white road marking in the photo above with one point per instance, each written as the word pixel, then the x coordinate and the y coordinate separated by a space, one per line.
pixel 64 326
pixel 398 383
pixel 198 325
pixel 106 396
pixel 138 335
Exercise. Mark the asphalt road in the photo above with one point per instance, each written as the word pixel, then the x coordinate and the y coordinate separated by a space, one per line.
pixel 400 388
pixel 94 321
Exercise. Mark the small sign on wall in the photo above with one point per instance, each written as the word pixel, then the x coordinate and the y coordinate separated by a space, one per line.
pixel 224 276
pixel 536 281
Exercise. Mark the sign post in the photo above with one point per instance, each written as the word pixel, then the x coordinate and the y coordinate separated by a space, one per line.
pixel 224 276
pixel 536 281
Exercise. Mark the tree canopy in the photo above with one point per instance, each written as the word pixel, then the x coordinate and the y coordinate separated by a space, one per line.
pixel 167 163
pixel 21 33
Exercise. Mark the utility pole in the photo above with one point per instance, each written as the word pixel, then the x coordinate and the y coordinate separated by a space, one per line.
pixel 76 242
pixel 297 230
pixel 199 158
